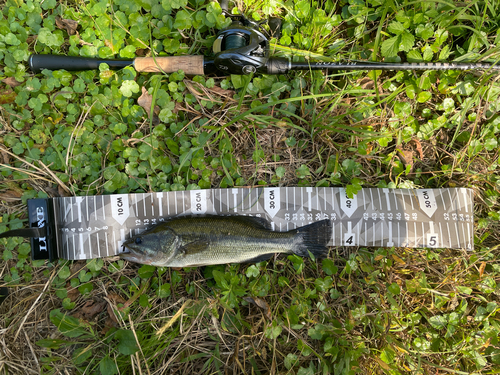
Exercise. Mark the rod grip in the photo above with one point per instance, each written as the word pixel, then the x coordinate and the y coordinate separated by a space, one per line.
pixel 37 63
pixel 191 65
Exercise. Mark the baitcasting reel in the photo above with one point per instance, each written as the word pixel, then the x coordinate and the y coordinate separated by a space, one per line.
pixel 243 49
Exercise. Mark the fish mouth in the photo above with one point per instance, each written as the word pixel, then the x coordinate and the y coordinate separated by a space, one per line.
pixel 129 245
pixel 133 254
pixel 132 257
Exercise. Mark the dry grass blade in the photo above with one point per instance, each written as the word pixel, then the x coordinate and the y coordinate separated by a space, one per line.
pixel 34 305
pixel 174 318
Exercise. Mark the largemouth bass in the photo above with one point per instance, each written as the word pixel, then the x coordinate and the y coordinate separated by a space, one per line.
pixel 190 241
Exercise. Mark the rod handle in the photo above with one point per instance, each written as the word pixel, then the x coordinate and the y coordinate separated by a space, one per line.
pixel 37 63
pixel 191 65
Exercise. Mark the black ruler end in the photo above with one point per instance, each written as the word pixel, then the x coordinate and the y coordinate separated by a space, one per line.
pixel 41 214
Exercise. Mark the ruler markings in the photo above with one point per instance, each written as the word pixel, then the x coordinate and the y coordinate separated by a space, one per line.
pixel 402 199
pixel 458 234
pixel 60 206
pixel 381 232
pixel 235 199
pixel 333 233
pixel 301 197
pixel 451 199
pixel 399 232
pixel 66 245
pixel 373 233
pixel 89 239
pixel 175 203
pixel 469 245
pixel 365 243
pixel 287 204
pixel 160 204
pixel 415 238
pixel 390 235
pixel 317 200
pixel 471 200
pixel 380 200
pixel 107 243
pixel 358 234
pixel 464 195
pixel 249 198
pixel 442 200
pixel 463 231
pixel 68 249
pixel 74 247
pixel 449 232
pixel 371 199
pixel 257 198
pixel 441 238
pixel 63 246
pixel 98 245
pixel 78 202
pixel 168 203
pixel 87 209
pixel 342 233
pixel 364 199
pixel 387 199
pixel 56 212
pixel 309 198
pixel 333 198
pixel 410 193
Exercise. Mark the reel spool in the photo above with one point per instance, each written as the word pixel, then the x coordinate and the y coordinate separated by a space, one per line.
pixel 241 49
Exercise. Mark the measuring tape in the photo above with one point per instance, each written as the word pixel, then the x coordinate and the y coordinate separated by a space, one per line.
pixel 96 226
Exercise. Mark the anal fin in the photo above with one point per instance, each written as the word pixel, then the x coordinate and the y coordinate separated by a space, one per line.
pixel 259 258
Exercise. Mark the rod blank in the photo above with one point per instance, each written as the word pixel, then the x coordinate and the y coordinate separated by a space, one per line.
pixel 392 66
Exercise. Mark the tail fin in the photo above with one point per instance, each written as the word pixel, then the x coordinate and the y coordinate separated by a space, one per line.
pixel 313 238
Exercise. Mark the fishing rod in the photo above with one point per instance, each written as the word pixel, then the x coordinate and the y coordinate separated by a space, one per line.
pixel 242 48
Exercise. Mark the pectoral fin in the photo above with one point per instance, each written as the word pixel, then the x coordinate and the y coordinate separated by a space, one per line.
pixel 194 247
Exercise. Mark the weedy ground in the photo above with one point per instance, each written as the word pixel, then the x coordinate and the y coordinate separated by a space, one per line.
pixel 362 310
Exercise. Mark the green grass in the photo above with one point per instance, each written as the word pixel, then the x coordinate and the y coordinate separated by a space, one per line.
pixel 363 310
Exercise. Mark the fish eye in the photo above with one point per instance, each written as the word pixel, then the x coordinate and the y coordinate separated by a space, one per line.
pixel 138 240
